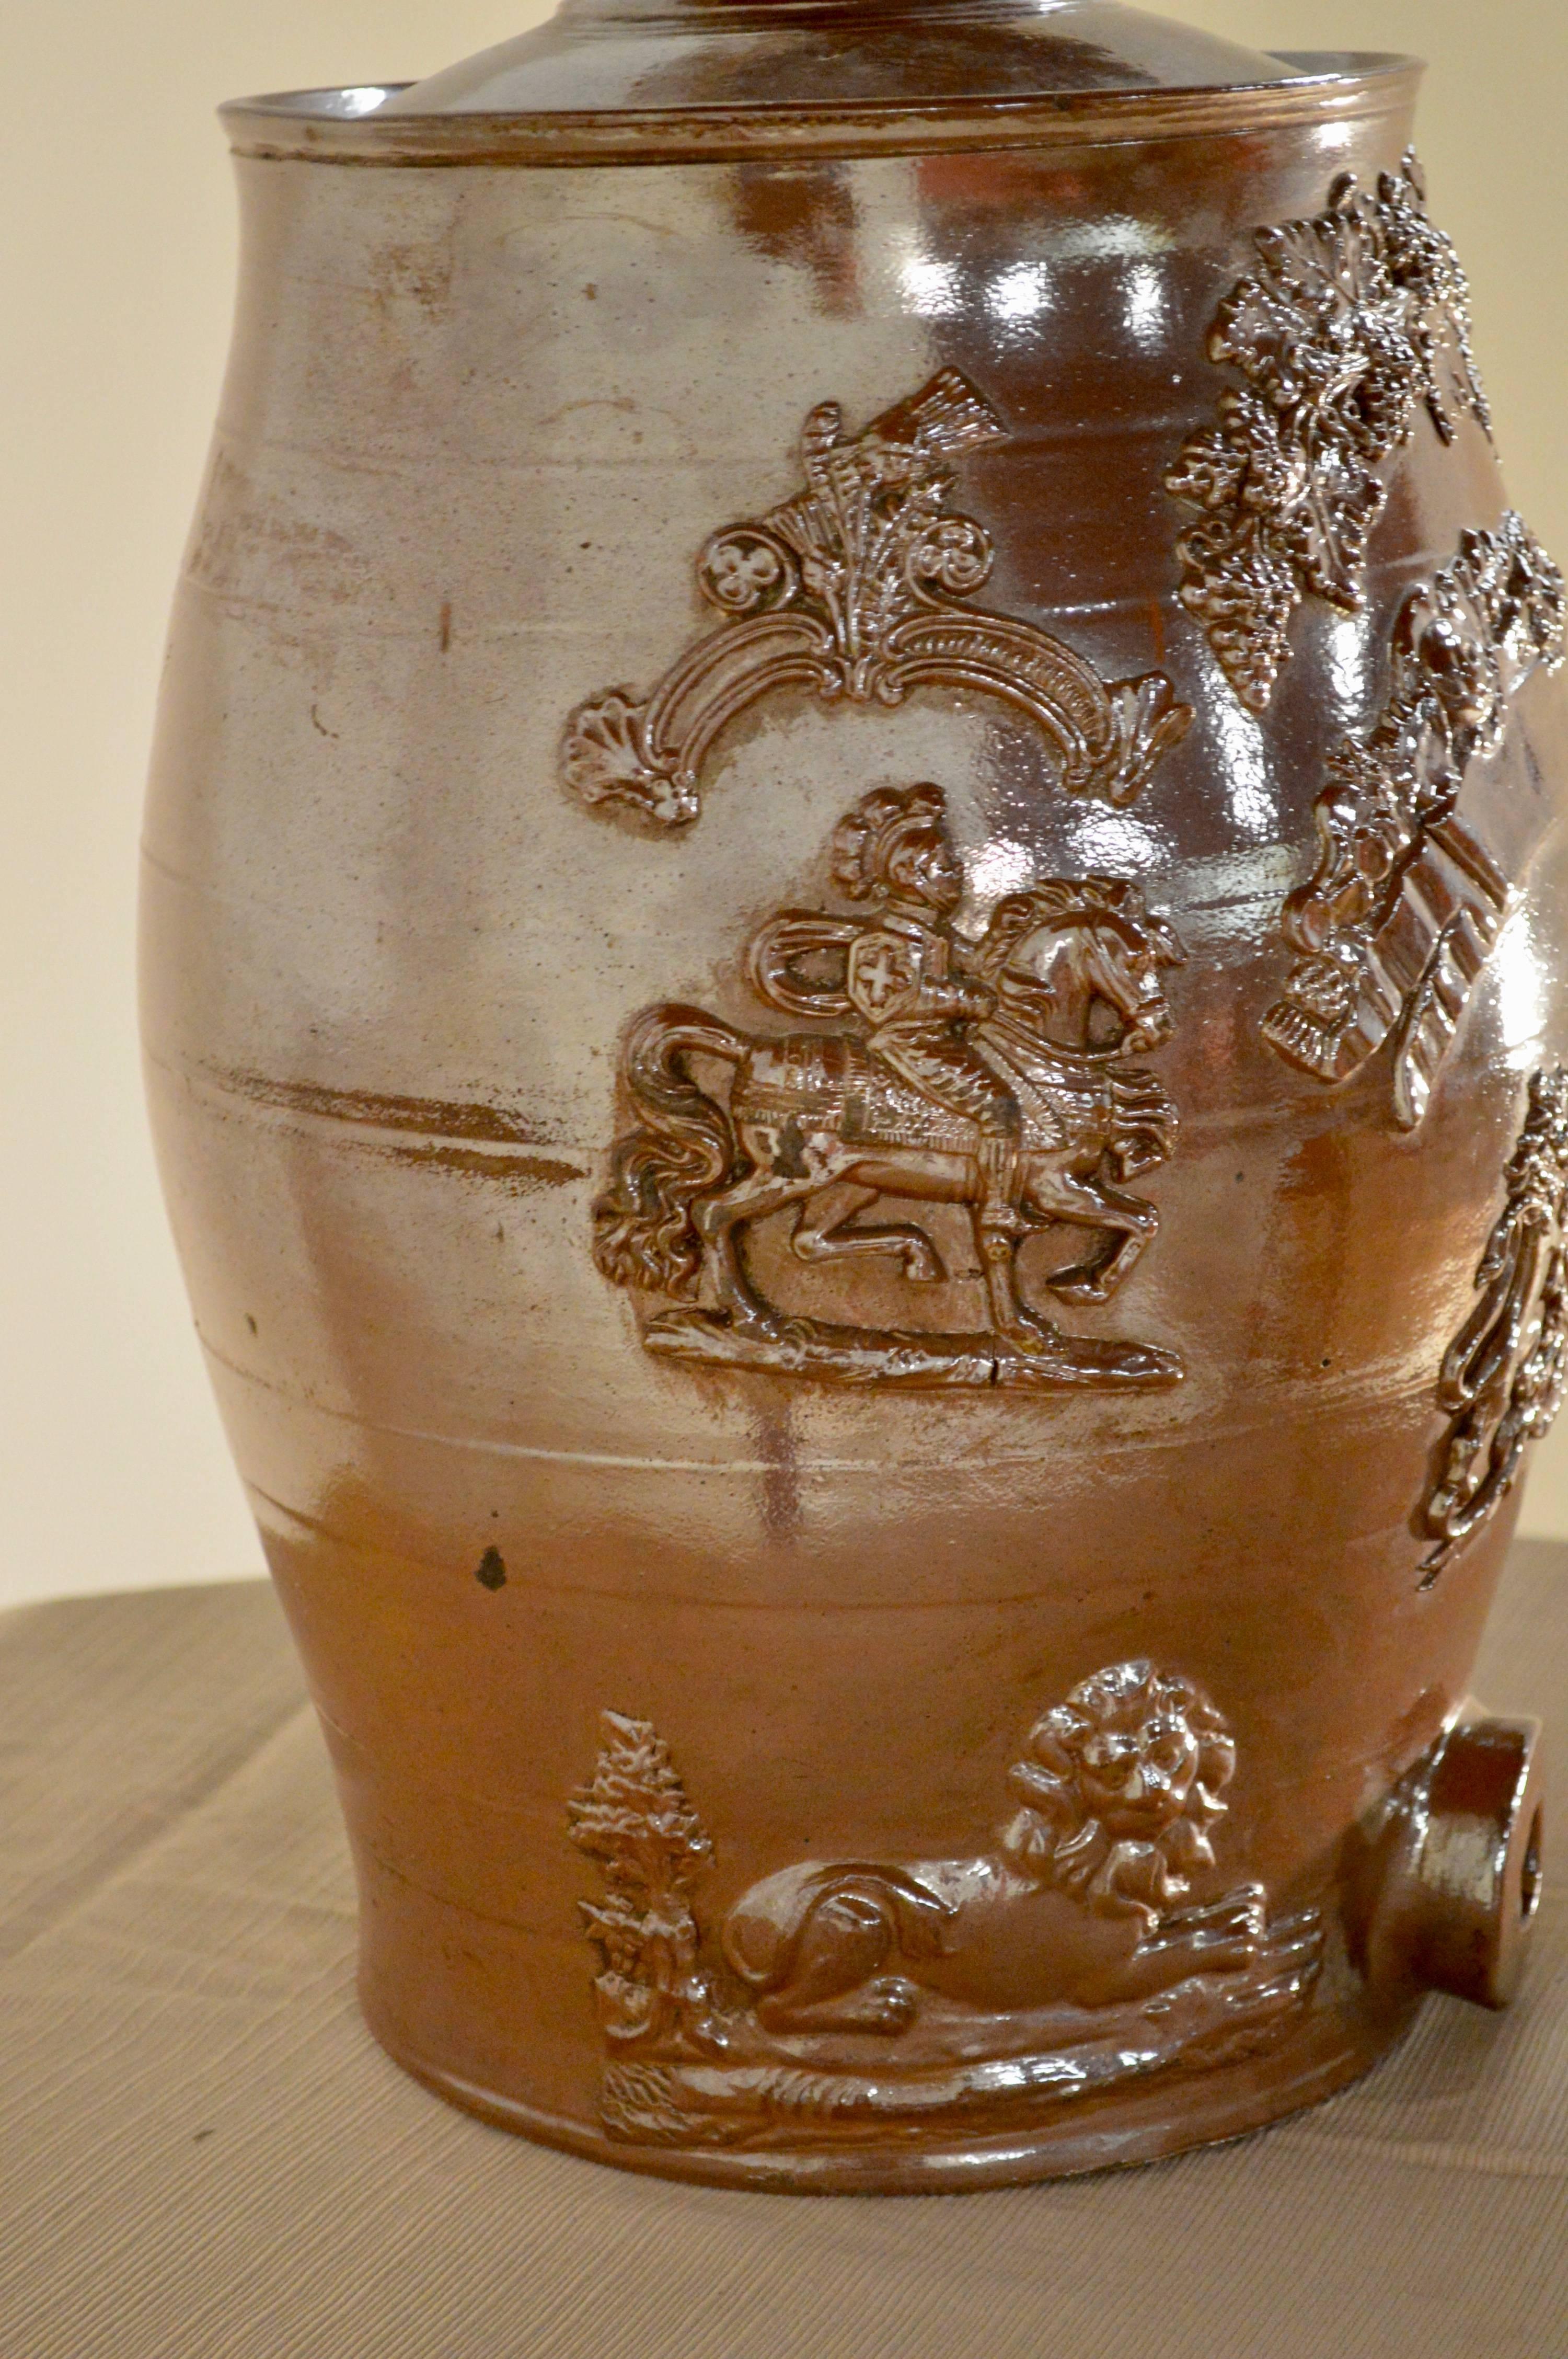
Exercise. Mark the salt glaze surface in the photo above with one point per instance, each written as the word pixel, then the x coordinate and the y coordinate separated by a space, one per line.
pixel 877 1207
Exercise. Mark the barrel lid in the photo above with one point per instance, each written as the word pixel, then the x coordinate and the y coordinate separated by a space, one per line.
pixel 655 80
pixel 603 55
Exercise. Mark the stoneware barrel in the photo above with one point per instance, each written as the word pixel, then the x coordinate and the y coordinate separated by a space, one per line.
pixel 853 993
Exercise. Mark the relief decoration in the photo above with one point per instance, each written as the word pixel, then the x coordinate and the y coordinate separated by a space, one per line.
pixel 857 588
pixel 1505 1373
pixel 997 1075
pixel 1406 904
pixel 841 2000
pixel 1353 323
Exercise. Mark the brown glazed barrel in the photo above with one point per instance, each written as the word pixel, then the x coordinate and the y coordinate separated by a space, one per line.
pixel 853 986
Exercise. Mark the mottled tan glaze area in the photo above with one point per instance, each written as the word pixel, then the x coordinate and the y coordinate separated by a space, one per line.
pixel 478 424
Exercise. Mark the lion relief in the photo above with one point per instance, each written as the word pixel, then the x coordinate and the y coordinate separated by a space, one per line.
pixel 1119 1787
pixel 1085 1901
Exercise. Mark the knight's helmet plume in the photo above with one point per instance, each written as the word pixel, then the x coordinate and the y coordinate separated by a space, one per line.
pixel 865 844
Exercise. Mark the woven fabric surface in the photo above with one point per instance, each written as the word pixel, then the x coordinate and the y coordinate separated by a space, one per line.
pixel 203 2155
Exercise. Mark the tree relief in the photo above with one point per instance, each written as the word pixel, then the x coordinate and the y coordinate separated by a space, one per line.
pixel 997 1075
pixel 857 588
pixel 1087 1946
pixel 1353 324
pixel 1406 903
pixel 1505 1373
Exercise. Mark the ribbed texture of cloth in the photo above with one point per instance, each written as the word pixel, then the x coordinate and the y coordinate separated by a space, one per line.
pixel 202 2155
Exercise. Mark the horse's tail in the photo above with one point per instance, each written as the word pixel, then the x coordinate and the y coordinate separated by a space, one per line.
pixel 684 1147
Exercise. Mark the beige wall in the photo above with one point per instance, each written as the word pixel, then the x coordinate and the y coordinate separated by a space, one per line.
pixel 117 265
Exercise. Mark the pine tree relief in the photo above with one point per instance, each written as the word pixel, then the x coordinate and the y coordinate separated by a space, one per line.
pixel 635 1821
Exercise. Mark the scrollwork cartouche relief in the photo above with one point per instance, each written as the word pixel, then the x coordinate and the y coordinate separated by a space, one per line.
pixel 997 1075
pixel 857 587
pixel 1406 903
pixel 839 1999
pixel 1507 1369
pixel 1353 323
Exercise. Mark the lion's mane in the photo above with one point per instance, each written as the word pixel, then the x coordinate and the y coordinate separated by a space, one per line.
pixel 1058 1839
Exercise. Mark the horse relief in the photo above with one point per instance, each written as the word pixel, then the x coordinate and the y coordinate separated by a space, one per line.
pixel 997 1074
pixel 1075 1953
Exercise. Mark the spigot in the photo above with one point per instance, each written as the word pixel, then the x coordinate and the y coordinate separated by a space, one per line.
pixel 1447 1882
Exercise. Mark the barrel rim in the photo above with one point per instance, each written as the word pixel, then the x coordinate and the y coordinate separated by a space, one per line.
pixel 344 126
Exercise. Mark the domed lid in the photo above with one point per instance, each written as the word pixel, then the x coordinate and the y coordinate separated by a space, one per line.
pixel 602 55
pixel 657 81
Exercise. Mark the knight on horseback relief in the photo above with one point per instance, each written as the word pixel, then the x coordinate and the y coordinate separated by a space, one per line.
pixel 996 1075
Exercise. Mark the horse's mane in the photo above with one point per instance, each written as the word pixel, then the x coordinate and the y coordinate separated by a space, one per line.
pixel 1071 900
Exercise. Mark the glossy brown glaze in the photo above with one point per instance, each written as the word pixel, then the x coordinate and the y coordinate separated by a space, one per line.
pixel 621 56
pixel 885 1413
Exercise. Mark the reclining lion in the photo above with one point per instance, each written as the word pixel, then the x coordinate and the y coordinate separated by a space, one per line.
pixel 1076 1905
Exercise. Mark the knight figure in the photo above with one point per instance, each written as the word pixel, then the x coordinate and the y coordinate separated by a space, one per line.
pixel 997 1075
pixel 906 980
